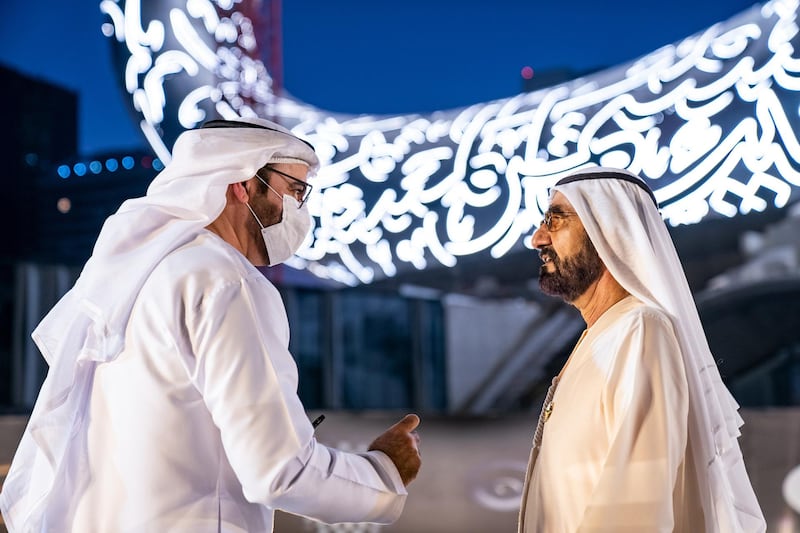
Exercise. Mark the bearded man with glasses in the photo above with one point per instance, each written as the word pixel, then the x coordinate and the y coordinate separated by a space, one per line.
pixel 637 432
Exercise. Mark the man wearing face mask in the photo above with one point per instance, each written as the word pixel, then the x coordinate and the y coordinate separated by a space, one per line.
pixel 170 403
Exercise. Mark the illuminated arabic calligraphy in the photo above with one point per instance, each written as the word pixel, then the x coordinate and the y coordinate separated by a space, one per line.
pixel 710 122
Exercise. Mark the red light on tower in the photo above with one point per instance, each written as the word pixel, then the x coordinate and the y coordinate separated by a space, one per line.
pixel 526 73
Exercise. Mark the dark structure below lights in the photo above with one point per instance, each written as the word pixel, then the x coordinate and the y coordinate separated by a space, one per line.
pixel 43 119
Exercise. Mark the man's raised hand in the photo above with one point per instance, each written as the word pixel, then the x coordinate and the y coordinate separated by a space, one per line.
pixel 401 443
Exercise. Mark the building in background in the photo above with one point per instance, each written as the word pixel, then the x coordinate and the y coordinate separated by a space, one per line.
pixel 40 125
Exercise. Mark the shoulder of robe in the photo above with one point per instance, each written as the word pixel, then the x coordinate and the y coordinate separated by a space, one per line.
pixel 657 331
pixel 649 317
pixel 208 261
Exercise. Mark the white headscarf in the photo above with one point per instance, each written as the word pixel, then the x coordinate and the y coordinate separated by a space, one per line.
pixel 87 326
pixel 622 220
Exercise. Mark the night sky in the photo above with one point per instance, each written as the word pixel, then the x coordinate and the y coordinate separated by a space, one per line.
pixel 368 56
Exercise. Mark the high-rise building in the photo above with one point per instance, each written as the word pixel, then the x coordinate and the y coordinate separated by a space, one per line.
pixel 40 126
pixel 40 121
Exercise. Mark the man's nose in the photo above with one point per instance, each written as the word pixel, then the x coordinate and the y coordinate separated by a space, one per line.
pixel 541 237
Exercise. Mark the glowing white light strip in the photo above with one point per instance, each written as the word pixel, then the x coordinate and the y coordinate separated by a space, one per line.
pixel 190 40
pixel 111 9
pixel 703 119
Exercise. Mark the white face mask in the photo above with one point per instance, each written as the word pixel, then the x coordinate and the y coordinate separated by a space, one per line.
pixel 285 238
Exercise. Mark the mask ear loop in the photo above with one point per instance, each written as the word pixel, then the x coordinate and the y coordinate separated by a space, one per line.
pixel 254 215
pixel 262 180
pixel 250 208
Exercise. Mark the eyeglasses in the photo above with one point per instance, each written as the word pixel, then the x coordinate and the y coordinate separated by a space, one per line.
pixel 554 220
pixel 297 188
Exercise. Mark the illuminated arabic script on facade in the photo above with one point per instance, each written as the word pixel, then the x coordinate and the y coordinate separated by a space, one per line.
pixel 710 122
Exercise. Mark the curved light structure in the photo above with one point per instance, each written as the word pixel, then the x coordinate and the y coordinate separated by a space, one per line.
pixel 710 122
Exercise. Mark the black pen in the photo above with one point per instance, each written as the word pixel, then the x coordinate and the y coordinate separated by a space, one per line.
pixel 317 421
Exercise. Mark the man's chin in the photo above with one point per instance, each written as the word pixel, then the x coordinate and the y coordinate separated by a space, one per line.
pixel 551 285
pixel 546 284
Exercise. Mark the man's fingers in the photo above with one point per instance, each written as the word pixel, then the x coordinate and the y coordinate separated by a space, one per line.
pixel 401 443
pixel 408 423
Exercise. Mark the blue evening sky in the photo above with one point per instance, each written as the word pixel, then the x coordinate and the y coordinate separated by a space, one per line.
pixel 367 56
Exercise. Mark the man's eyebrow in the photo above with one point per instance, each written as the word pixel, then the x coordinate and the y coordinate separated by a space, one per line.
pixel 557 209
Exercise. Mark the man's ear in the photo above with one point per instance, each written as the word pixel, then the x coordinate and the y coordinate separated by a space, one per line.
pixel 239 191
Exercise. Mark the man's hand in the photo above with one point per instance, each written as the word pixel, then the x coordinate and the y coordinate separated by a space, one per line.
pixel 401 443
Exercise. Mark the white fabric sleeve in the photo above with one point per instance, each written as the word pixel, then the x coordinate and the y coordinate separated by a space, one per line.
pixel 646 408
pixel 248 380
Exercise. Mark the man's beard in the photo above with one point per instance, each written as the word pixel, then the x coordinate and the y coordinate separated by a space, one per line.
pixel 571 276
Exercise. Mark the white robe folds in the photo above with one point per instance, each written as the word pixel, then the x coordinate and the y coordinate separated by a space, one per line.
pixel 613 456
pixel 197 425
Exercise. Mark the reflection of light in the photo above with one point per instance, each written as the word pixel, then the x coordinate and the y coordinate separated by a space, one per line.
pixel 64 205
pixel 107 29
pixel 526 73
pixel 111 164
pixel 497 485
pixel 791 489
